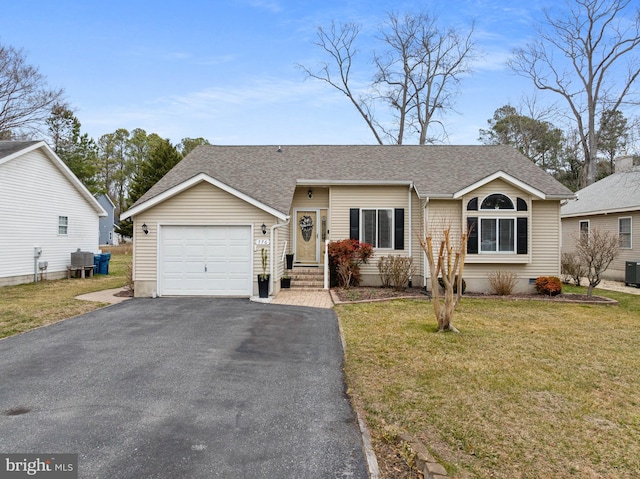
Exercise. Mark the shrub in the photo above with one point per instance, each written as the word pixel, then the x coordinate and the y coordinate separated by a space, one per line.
pixel 502 282
pixel 395 271
pixel 548 285
pixel 384 269
pixel 347 256
pixel 572 268
pixel 455 284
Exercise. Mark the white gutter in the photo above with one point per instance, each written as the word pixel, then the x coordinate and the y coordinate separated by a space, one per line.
pixel 272 250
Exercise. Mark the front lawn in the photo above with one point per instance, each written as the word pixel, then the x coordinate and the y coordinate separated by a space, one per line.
pixel 528 389
pixel 31 305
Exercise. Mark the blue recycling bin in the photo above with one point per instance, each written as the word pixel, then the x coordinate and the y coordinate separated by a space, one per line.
pixel 96 263
pixel 104 263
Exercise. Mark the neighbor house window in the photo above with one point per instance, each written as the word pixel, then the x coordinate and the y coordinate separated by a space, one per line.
pixel 380 227
pixel 63 225
pixel 584 230
pixel 624 231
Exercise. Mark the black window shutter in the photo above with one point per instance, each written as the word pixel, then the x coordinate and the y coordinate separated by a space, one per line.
pixel 399 229
pixel 522 204
pixel 472 239
pixel 354 224
pixel 473 204
pixel 523 236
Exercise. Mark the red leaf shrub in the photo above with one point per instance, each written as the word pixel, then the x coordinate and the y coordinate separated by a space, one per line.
pixel 347 256
pixel 548 285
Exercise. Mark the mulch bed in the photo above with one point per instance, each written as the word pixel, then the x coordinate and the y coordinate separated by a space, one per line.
pixel 370 294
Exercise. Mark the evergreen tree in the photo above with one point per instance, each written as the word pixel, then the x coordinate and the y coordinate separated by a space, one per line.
pixel 78 151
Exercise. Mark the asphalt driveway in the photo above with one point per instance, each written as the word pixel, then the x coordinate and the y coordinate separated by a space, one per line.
pixel 184 388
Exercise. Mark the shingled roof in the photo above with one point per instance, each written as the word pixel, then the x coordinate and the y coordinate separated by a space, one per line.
pixel 8 148
pixel 615 193
pixel 269 174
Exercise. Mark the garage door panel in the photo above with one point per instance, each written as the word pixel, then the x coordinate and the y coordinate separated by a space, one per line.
pixel 206 260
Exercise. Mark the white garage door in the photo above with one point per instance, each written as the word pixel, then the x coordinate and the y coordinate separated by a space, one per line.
pixel 205 261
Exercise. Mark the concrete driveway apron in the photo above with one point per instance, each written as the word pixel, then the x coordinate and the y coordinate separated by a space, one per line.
pixel 184 388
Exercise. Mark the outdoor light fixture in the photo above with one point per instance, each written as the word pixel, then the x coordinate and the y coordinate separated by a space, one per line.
pixel 145 229
pixel 310 193
pixel 264 229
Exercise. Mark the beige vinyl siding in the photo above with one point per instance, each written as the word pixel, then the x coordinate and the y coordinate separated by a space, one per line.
pixel 544 249
pixel 202 204
pixel 343 198
pixel 543 258
pixel 319 199
pixel 33 194
pixel 609 222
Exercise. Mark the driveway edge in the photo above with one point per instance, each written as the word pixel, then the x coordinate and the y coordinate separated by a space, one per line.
pixel 370 455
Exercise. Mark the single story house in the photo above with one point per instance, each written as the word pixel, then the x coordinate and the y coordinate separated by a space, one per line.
pixel 611 204
pixel 202 228
pixel 107 223
pixel 47 213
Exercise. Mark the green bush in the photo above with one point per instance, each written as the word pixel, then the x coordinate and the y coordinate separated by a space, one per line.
pixel 548 285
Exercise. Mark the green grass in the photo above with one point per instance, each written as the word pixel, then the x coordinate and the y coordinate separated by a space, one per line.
pixel 529 389
pixel 31 305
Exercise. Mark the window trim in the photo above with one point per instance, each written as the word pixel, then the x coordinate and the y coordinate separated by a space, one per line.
pixel 580 232
pixel 497 219
pixel 481 208
pixel 630 233
pixel 64 225
pixel 377 230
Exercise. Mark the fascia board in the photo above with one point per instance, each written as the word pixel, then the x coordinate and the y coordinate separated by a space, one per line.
pixel 611 211
pixel 185 185
pixel 502 176
pixel 312 182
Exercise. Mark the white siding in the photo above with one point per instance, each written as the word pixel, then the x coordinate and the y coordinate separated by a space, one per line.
pixel 33 194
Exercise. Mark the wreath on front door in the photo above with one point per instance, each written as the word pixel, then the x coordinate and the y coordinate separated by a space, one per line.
pixel 306 227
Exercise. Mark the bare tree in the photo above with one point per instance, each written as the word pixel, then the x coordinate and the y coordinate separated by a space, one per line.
pixel 416 76
pixel 449 264
pixel 589 58
pixel 25 99
pixel 596 251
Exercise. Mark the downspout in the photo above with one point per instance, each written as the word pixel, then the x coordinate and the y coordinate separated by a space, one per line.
pixel 424 234
pixel 410 223
pixel 272 251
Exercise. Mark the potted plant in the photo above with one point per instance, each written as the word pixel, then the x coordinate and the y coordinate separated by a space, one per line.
pixel 285 281
pixel 263 278
pixel 289 257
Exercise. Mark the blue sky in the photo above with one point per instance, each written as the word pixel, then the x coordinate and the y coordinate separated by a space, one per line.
pixel 226 70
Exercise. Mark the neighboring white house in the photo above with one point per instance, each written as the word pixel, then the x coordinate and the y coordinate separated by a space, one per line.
pixel 46 211
pixel 611 204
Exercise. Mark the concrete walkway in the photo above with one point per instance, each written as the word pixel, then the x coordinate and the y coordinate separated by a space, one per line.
pixel 613 286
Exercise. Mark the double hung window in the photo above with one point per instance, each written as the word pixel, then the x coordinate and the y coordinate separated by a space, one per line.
pixel 624 232
pixel 63 225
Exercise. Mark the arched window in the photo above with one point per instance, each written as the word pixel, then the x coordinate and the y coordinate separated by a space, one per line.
pixel 473 204
pixel 497 201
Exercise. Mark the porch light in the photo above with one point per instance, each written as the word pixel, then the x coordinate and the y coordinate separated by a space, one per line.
pixel 145 229
pixel 264 229
pixel 310 193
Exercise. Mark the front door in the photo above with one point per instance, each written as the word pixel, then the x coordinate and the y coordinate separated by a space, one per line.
pixel 306 237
